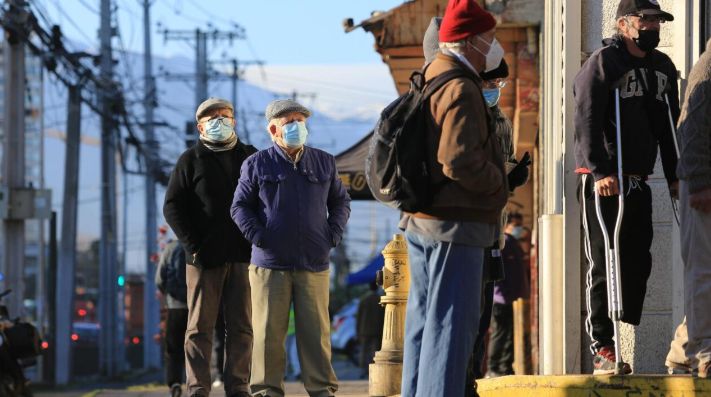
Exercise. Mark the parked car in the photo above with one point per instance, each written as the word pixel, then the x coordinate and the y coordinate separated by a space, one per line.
pixel 344 338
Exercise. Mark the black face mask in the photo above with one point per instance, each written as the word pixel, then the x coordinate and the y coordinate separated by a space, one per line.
pixel 647 40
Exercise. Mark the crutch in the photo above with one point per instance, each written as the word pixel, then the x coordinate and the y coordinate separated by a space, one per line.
pixel 612 254
pixel 672 128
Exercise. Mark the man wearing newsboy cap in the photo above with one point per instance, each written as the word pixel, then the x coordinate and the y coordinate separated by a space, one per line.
pixel 197 208
pixel 291 205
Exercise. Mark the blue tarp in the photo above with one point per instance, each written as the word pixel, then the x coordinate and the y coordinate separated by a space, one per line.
pixel 366 274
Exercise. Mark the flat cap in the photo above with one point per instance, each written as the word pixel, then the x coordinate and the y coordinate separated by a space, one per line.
pixel 212 103
pixel 281 107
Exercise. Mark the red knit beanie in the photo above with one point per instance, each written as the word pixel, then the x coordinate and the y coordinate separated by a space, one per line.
pixel 464 18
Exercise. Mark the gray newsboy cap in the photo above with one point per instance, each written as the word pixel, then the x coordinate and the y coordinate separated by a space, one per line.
pixel 281 107
pixel 212 103
pixel 430 43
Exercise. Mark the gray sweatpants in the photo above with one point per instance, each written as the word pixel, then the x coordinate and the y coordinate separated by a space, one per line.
pixel 696 254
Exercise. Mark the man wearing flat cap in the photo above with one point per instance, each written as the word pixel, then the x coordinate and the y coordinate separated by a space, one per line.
pixel 448 240
pixel 646 80
pixel 291 205
pixel 197 208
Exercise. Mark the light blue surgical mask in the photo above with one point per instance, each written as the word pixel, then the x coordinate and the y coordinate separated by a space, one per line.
pixel 517 232
pixel 491 96
pixel 219 129
pixel 294 134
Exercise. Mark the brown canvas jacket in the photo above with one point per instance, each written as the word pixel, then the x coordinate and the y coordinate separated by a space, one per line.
pixel 464 150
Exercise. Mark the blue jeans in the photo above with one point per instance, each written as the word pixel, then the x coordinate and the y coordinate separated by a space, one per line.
pixel 442 316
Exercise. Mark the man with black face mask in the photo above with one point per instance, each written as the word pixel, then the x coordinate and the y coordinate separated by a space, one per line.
pixel 646 80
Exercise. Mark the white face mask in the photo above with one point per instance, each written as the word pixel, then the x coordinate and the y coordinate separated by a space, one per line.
pixel 494 56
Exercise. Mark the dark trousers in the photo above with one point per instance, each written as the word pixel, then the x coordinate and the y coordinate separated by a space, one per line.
pixel 175 325
pixel 476 362
pixel 368 346
pixel 635 258
pixel 501 354
pixel 219 346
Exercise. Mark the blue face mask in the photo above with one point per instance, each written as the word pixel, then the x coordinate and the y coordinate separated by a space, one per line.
pixel 219 129
pixel 517 232
pixel 294 134
pixel 491 96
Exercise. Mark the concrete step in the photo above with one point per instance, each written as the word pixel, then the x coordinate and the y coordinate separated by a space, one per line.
pixel 595 386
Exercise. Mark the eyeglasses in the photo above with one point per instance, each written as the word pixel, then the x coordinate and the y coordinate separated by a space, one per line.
pixel 226 121
pixel 649 18
pixel 495 83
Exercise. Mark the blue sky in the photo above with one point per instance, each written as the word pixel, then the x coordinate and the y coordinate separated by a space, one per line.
pixel 304 46
pixel 278 31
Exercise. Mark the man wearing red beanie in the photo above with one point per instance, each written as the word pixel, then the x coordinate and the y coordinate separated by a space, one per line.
pixel 447 240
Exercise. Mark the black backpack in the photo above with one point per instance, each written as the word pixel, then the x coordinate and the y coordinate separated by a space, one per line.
pixel 173 275
pixel 396 167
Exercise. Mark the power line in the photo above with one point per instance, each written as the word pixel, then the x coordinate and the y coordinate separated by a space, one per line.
pixel 89 7
pixel 71 22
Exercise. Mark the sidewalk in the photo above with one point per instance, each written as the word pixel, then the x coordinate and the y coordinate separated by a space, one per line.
pixel 358 388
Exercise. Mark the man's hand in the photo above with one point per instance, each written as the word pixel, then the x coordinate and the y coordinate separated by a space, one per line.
pixel 701 201
pixel 519 174
pixel 674 190
pixel 607 186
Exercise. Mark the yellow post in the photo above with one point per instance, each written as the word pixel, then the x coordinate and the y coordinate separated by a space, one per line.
pixel 385 375
pixel 521 326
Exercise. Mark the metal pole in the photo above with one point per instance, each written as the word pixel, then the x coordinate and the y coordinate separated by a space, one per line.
pixel 65 273
pixel 14 161
pixel 107 250
pixel 50 368
pixel 235 78
pixel 200 67
pixel 151 352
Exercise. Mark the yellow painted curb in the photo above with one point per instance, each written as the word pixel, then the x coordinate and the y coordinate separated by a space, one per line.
pixel 595 386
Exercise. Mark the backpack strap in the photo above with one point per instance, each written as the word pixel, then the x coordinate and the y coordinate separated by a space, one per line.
pixel 437 82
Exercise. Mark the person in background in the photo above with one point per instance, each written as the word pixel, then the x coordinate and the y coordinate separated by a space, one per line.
pixel 514 286
pixel 217 365
pixel 369 324
pixel 170 280
pixel 292 352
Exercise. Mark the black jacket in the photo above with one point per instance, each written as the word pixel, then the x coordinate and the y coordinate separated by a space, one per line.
pixel 643 84
pixel 197 205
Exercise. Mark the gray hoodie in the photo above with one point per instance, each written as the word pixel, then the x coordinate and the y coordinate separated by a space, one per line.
pixel 695 127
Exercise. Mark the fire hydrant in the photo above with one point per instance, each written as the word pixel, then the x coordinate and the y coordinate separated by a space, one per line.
pixel 385 374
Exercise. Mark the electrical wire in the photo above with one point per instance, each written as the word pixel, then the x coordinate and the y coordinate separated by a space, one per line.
pixel 71 22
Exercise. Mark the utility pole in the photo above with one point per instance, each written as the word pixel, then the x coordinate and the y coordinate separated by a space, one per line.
pixel 65 273
pixel 201 37
pixel 201 78
pixel 108 289
pixel 201 75
pixel 151 352
pixel 14 158
pixel 236 75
